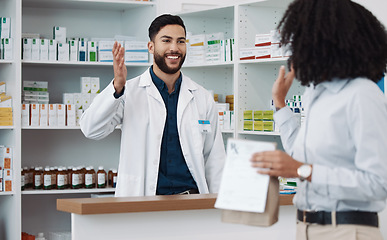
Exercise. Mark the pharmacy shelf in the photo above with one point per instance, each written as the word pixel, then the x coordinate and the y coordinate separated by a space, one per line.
pixel 57 128
pixel 6 127
pixel 230 64
pixel 80 64
pixel 67 191
pixel 227 131
pixel 6 193
pixel 87 4
pixel 260 133
pixel 266 60
pixel 52 128
pixel 6 61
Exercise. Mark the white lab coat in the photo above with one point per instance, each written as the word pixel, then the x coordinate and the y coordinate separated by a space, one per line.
pixel 142 113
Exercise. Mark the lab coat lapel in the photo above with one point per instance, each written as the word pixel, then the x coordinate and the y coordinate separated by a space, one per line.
pixel 185 97
pixel 146 81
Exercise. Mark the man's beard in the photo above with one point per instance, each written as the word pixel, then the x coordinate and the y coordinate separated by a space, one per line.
pixel 160 62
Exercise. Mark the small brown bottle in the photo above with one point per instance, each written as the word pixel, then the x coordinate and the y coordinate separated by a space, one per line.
pixel 61 179
pixel 37 178
pixel 47 179
pixel 75 179
pixel 110 177
pixel 114 178
pixel 101 177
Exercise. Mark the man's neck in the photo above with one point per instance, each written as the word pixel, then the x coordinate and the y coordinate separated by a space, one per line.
pixel 168 79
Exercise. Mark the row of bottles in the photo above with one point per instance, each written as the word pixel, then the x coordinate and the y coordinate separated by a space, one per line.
pixel 67 178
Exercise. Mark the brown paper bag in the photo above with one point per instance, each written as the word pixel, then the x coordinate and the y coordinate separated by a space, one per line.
pixel 265 219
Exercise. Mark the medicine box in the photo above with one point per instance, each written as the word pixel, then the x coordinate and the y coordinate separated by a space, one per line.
pixel 86 100
pixel 92 51
pixel 7 179
pixel 6 157
pixel 43 119
pixel 7 51
pixel 248 125
pixel 105 51
pixel 258 115
pixel 258 125
pixel 27 49
pixel 247 53
pixel 61 113
pixel 136 51
pixel 44 49
pixel 63 52
pixel 248 115
pixel 268 126
pixel 52 115
pixel 262 40
pixel 25 111
pixel 39 86
pixel 73 50
pixel 85 85
pixel 78 100
pixel 35 49
pixel 52 50
pixel 263 52
pixel 59 34
pixel 5 101
pixel 34 115
pixel 82 50
pixel 5 27
pixel 71 115
pixel 68 98
pixel 94 85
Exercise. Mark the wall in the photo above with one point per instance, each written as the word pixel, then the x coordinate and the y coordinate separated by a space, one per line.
pixel 377 7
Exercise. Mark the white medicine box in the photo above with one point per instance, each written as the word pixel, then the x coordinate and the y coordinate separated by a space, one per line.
pixel 59 34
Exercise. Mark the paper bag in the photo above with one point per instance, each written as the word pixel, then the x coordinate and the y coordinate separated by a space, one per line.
pixel 265 219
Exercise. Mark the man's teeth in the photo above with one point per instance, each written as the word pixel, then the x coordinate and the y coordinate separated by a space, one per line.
pixel 173 57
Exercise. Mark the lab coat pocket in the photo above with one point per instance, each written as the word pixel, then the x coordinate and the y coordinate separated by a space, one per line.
pixel 197 134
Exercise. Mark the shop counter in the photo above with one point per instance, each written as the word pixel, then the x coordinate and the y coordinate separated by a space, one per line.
pixel 173 217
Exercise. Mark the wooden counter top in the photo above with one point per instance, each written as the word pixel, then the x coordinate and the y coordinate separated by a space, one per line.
pixel 143 204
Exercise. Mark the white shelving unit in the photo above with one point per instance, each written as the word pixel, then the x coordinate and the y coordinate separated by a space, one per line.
pixel 250 81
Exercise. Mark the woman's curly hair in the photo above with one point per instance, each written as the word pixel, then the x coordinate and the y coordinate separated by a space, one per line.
pixel 333 39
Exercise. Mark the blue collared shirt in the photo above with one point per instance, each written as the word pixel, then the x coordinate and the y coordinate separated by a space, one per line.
pixel 344 136
pixel 174 176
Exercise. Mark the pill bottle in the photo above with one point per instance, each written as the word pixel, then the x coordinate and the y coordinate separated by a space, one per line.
pixel 61 179
pixel 110 177
pixel 89 178
pixel 54 172
pixel 101 177
pixel 75 179
pixel 47 179
pixel 22 179
pixel 94 176
pixel 37 178
pixel 114 178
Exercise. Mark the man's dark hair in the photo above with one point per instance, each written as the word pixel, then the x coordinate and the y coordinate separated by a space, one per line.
pixel 163 20
pixel 333 39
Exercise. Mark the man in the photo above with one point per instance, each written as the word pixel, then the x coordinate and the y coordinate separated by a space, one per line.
pixel 171 142
pixel 339 51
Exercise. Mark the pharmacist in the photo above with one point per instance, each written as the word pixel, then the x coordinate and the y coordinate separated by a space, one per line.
pixel 339 51
pixel 171 142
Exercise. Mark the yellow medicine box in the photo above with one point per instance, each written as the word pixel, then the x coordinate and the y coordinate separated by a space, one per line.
pixel 258 115
pixel 268 115
pixel 258 125
pixel 248 125
pixel 268 126
pixel 248 115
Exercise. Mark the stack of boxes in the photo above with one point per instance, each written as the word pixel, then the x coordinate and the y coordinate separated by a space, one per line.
pixel 61 115
pixel 210 48
pixel 266 46
pixel 226 117
pixel 61 48
pixel 6 118
pixel 5 169
pixel 258 120
pixel 6 42
pixel 35 92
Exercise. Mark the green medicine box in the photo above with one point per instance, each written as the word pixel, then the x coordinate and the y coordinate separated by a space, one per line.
pixel 248 125
pixel 248 115
pixel 258 125
pixel 268 115
pixel 268 126
pixel 258 115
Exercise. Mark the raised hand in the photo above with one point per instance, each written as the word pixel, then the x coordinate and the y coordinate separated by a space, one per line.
pixel 281 87
pixel 120 71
